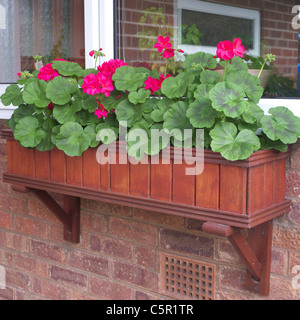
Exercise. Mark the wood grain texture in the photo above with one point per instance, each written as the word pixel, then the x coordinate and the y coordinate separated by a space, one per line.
pixel 74 170
pixel 208 187
pixel 161 181
pixel 90 169
pixel 119 174
pixel 13 154
pixel 42 165
pixel 26 162
pixel 184 186
pixel 57 165
pixel 140 180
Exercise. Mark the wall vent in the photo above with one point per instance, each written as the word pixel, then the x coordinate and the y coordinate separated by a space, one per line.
pixel 187 279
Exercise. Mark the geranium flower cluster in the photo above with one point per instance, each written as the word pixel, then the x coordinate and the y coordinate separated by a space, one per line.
pixel 164 45
pixel 47 73
pixel 226 50
pixel 153 84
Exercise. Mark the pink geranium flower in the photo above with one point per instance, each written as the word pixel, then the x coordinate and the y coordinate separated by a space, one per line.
pixel 169 53
pixel 91 85
pixel 109 68
pixel 152 84
pixel 92 53
pixel 238 49
pixel 106 85
pixel 101 112
pixel 47 73
pixel 225 50
pixel 162 43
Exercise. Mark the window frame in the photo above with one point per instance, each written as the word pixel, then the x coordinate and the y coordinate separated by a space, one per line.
pixel 218 9
pixel 98 16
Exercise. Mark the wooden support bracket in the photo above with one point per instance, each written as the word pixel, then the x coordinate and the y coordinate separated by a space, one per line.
pixel 255 251
pixel 69 216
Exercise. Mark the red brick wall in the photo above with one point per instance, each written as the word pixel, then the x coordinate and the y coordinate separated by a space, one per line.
pixel 277 34
pixel 118 257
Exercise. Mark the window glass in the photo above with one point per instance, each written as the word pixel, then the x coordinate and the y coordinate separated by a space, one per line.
pixel 193 27
pixel 50 28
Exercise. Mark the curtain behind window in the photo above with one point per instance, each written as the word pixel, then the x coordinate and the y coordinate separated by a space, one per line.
pixel 51 28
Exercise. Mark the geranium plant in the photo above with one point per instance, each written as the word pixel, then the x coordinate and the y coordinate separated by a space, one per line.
pixel 65 106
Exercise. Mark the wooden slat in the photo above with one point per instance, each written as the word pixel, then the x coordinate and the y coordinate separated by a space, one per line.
pixel 74 170
pixel 90 169
pixel 26 163
pixel 42 165
pixel 207 187
pixel 119 174
pixel 161 181
pixel 233 189
pixel 57 165
pixel 140 180
pixel 183 185
pixel 13 154
pixel 279 178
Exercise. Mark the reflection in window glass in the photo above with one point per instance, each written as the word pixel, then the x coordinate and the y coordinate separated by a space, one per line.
pixel 51 28
pixel 140 22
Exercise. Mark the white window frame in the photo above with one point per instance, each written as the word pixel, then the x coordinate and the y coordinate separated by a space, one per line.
pixel 219 9
pixel 99 33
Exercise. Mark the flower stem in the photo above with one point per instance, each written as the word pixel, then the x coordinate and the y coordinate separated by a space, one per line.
pixel 166 67
pixel 225 68
pixel 261 70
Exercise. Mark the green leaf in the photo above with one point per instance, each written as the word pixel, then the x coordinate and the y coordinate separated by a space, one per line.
pixel 253 113
pixel 248 83
pixel 28 132
pixel 139 97
pixel 267 144
pixel 176 121
pixel 68 69
pixel 91 132
pixel 175 87
pixel 158 140
pixel 231 145
pixel 127 78
pixel 202 91
pixel 12 95
pixel 200 61
pixel 106 133
pixel 282 125
pixel 210 77
pixel 66 113
pixel 162 107
pixel 126 111
pixel 201 114
pixel 35 93
pixel 23 111
pixel 229 98
pixel 46 144
pixel 237 64
pixel 72 139
pixel 59 90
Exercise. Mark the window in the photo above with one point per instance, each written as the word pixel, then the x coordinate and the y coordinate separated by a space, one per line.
pixel 202 25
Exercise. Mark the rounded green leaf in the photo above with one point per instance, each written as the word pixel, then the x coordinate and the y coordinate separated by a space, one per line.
pixel 12 95
pixel 126 111
pixel 175 87
pixel 29 132
pixel 72 139
pixel 139 97
pixel 202 91
pixel 66 113
pixel 59 90
pixel 200 61
pixel 35 93
pixel 68 69
pixel 282 125
pixel 248 83
pixel 201 114
pixel 127 78
pixel 210 77
pixel 231 145
pixel 176 121
pixel 162 107
pixel 229 98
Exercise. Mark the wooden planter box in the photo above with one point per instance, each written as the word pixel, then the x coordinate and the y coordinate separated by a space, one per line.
pixel 227 195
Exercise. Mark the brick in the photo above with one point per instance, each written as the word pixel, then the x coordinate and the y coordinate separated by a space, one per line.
pixel 186 243
pixel 13 205
pixel 17 279
pixel 286 238
pixel 78 295
pixel 230 277
pixel 67 276
pixel 111 247
pixel 279 261
pixel 38 210
pixel 109 290
pixel 93 222
pixel 30 226
pixel 95 206
pixel 135 275
pixel 295 157
pixel 5 220
pixel 227 253
pixel 7 294
pixel 147 258
pixel 31 265
pixel 49 290
pixel 281 289
pixel 294 214
pixel 294 262
pixel 135 231
pixel 293 183
pixel 48 251
pixel 89 263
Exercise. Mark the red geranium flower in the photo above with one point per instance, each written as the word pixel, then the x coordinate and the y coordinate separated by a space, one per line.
pixel 169 53
pixel 91 85
pixel 101 112
pixel 162 43
pixel 238 49
pixel 225 50
pixel 47 73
